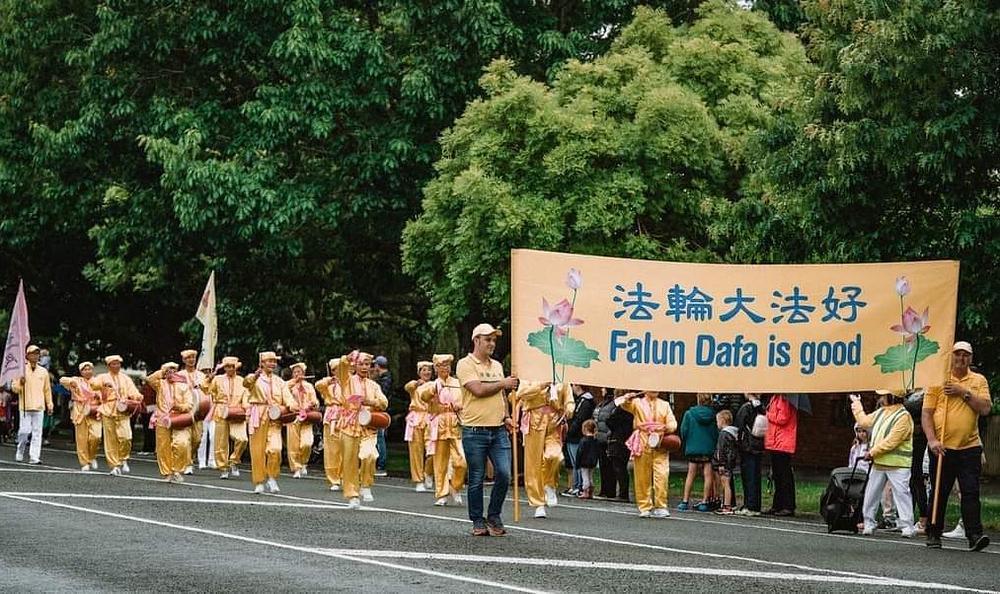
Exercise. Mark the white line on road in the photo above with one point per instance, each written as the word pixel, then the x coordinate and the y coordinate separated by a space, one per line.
pixel 258 541
pixel 259 502
pixel 40 471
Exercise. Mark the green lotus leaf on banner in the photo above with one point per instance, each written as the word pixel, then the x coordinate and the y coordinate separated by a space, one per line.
pixel 568 351
pixel 902 357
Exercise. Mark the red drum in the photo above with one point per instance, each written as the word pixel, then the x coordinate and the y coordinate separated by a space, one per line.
pixel 128 407
pixel 312 417
pixel 204 405
pixel 670 443
pixel 281 414
pixel 374 419
pixel 234 414
pixel 176 421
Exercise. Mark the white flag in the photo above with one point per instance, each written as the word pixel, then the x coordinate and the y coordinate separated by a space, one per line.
pixel 17 339
pixel 206 315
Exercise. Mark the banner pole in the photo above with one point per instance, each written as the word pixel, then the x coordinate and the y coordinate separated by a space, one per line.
pixel 517 496
pixel 944 432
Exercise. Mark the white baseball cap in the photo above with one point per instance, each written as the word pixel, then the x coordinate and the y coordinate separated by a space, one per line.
pixel 485 330
pixel 962 346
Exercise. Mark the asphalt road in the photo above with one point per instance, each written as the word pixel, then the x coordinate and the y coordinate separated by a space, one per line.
pixel 62 530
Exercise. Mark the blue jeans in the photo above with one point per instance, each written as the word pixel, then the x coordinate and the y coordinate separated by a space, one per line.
pixel 571 449
pixel 383 452
pixel 479 444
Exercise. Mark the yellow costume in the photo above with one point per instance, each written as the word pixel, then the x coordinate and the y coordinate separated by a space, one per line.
pixel 651 466
pixel 228 390
pixel 542 426
pixel 358 450
pixel 266 389
pixel 416 434
pixel 200 385
pixel 300 433
pixel 117 426
pixel 87 428
pixel 173 445
pixel 332 399
pixel 443 397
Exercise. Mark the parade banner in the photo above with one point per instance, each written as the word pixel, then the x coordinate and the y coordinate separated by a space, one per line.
pixel 669 326
pixel 18 337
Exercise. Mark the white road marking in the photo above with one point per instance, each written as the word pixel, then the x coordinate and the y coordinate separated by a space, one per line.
pixel 41 471
pixel 646 567
pixel 259 541
pixel 255 502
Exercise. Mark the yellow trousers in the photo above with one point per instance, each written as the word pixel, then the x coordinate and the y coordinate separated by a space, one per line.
pixel 332 456
pixel 117 439
pixel 224 431
pixel 542 460
pixel 651 471
pixel 448 450
pixel 88 440
pixel 420 464
pixel 196 430
pixel 300 441
pixel 356 473
pixel 265 451
pixel 173 449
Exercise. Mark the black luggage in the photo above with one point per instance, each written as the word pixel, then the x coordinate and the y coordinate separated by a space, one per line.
pixel 840 505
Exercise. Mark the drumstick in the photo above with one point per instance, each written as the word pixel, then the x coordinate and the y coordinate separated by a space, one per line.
pixel 940 456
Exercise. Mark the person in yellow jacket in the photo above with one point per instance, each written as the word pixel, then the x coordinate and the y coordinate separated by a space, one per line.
pixel 329 388
pixel 890 447
pixel 227 390
pixel 266 390
pixel 653 419
pixel 200 384
pixel 544 410
pixel 421 465
pixel 444 400
pixel 115 386
pixel 173 444
pixel 358 450
pixel 299 432
pixel 85 416
pixel 35 399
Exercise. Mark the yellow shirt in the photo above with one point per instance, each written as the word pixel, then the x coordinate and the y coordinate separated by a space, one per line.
pixel 962 431
pixel 304 394
pixel 371 398
pixel 659 412
pixel 122 386
pixel 532 396
pixel 228 391
pixel 444 412
pixel 416 402
pixel 34 389
pixel 269 389
pixel 171 397
pixel 481 412
pixel 82 395
pixel 330 390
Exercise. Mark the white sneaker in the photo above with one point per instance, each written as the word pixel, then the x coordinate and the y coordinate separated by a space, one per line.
pixel 441 502
pixel 868 531
pixel 125 468
pixel 540 512
pixel 908 533
pixel 661 513
pixel 420 488
pixel 259 488
pixel 456 497
pixel 335 487
pixel 366 495
pixel 381 473
pixel 272 486
pixel 354 503
pixel 957 533
pixel 19 456
pixel 169 478
pixel 201 467
pixel 551 497
pixel 224 475
pixel 305 471
pixel 213 466
pixel 178 478
pixel 234 471
pixel 297 474
pixel 93 465
pixel 189 470
pixel 428 482
pixel 644 514
pixel 115 472
pixel 85 468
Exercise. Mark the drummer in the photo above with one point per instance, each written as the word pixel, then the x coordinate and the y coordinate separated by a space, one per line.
pixel 85 416
pixel 332 399
pixel 200 385
pixel 173 444
pixel 653 421
pixel 228 393
pixel 300 431
pixel 444 399
pixel 268 395
pixel 358 449
pixel 545 407
pixel 421 463
pixel 116 386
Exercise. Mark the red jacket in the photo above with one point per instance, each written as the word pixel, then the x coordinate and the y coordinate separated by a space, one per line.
pixel 782 425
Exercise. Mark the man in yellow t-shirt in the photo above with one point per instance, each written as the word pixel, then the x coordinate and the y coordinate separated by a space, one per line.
pixel 950 422
pixel 485 428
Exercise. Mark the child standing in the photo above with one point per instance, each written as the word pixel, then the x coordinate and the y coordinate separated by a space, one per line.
pixel 726 458
pixel 586 457
pixel 699 435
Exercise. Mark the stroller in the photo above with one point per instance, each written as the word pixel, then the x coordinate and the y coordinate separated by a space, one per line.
pixel 841 503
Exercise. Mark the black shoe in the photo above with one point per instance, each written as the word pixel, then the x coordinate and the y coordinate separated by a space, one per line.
pixel 933 541
pixel 978 543
pixel 784 513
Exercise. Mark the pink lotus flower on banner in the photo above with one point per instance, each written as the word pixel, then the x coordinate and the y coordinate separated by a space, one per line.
pixel 560 317
pixel 902 286
pixel 574 279
pixel 913 324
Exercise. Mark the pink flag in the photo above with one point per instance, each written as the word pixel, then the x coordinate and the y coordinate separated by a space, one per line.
pixel 17 340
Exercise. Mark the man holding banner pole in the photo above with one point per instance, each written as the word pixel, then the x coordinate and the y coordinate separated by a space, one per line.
pixel 950 422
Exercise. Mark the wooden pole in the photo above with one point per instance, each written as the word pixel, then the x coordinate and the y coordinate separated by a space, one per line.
pixel 517 495
pixel 941 438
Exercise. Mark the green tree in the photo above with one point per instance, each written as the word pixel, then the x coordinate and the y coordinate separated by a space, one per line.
pixel 629 155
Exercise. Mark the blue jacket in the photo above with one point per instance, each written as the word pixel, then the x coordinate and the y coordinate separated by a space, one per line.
pixel 699 431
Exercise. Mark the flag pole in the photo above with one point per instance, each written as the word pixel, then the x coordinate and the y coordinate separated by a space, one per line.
pixel 517 425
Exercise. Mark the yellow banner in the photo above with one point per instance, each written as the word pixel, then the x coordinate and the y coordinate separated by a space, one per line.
pixel 725 328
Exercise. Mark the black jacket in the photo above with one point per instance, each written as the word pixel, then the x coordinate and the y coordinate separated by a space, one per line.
pixel 602 415
pixel 744 423
pixel 587 455
pixel 620 424
pixel 584 411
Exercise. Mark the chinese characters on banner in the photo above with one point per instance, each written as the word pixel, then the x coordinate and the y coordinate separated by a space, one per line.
pixel 727 328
